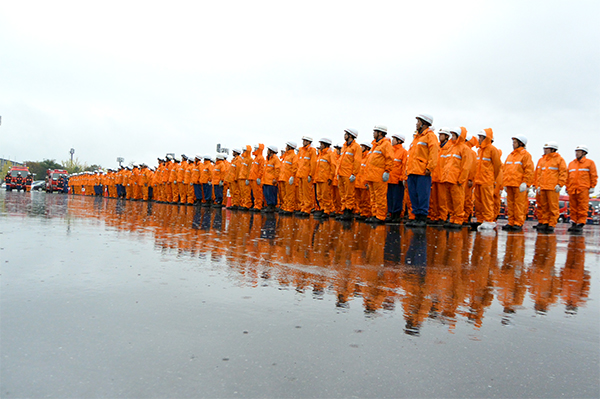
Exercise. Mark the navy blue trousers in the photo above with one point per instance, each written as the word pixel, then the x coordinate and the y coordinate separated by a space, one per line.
pixel 419 190
pixel 270 193
pixel 395 197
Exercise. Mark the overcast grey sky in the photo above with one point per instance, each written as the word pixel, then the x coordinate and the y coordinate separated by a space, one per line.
pixel 138 79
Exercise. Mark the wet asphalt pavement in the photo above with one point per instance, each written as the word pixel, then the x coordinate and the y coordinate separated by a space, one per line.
pixel 112 298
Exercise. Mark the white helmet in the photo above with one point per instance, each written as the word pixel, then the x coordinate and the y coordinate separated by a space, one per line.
pixel 366 144
pixel 521 138
pixel 425 118
pixel 444 130
pixel 380 128
pixel 292 144
pixel 237 150
pixel 551 144
pixel 307 138
pixel 273 148
pixel 325 140
pixel 338 145
pixel 351 132
pixel 582 147
pixel 399 136
pixel 220 156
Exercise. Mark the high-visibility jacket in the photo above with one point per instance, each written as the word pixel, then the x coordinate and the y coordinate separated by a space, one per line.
pixel 145 176
pixel 458 164
pixel 234 166
pixel 350 160
pixel 436 175
pixel 473 157
pixel 196 167
pixel 257 169
pixel 423 153
pixel 206 171
pixel 272 170
pixel 361 181
pixel 518 168
pixel 245 164
pixel 325 166
pixel 381 160
pixel 551 170
pixel 219 171
pixel 398 173
pixel 289 166
pixel 307 162
pixel 181 171
pixel 582 175
pixel 173 172
pixel 187 173
pixel 488 161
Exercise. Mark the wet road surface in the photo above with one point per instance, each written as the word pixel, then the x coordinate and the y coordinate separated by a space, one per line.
pixel 112 298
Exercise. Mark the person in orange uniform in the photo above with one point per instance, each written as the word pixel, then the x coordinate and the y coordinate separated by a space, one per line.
pixel 550 176
pixel 173 181
pixel 268 181
pixel 362 196
pixel 195 179
pixel 206 171
pixel 455 176
pixel 256 172
pixel 181 172
pixel 289 167
pixel 581 181
pixel 231 179
pixel 395 193
pixel 438 208
pixel 347 170
pixel 422 160
pixel 518 176
pixel 488 168
pixel 218 179
pixel 243 181
pixel 472 155
pixel 144 181
pixel 379 167
pixel 335 189
pixel 190 196
pixel 324 175
pixel 307 165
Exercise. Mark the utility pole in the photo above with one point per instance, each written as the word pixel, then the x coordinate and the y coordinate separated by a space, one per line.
pixel 72 151
pixel 120 160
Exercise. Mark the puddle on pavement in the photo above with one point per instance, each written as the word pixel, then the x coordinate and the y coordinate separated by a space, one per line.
pixel 407 292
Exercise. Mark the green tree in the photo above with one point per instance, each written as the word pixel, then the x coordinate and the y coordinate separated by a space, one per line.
pixel 73 166
pixel 39 168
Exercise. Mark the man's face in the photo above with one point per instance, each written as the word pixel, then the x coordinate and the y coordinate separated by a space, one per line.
pixel 454 136
pixel 443 137
pixel 419 124
pixel 481 138
pixel 579 153
pixel 305 143
pixel 347 137
pixel 375 134
pixel 321 146
pixel 515 144
pixel 547 151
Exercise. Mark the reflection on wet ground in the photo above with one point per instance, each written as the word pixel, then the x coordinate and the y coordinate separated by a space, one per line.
pixel 141 299
pixel 429 273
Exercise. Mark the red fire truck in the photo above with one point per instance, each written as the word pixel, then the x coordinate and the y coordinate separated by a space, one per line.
pixel 14 173
pixel 54 181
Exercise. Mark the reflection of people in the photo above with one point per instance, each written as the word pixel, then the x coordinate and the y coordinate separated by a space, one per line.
pixel 574 279
pixel 511 280
pixel 413 279
pixel 543 283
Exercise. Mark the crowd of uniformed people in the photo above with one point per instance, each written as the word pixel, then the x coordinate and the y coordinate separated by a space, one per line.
pixel 439 180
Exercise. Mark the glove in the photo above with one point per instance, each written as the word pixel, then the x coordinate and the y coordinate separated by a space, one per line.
pixel 258 181
pixel 309 179
pixel 386 177
pixel 523 187
pixel 352 178
pixel 221 183
pixel 173 182
pixel 591 190
pixel 557 188
pixel 209 183
pixel 291 181
pixel 247 182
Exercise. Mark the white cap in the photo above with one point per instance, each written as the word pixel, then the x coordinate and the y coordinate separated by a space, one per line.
pixel 366 144
pixel 307 138
pixel 339 145
pixel 380 128
pixel 582 147
pixel 272 148
pixel 551 144
pixel 198 156
pixel 468 138
pixel 521 138
pixel 482 133
pixel 220 156
pixel 351 132
pixel 325 140
pixel 237 150
pixel 426 117
pixel 444 130
pixel 399 136
pixel 292 144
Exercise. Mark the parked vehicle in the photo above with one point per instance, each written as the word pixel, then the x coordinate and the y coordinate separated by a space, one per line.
pixel 594 211
pixel 15 182
pixel 55 179
pixel 38 185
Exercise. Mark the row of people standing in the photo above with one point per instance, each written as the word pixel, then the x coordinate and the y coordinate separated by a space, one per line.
pixel 445 179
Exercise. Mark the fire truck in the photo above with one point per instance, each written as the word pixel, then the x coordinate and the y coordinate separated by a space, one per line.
pixel 14 173
pixel 53 180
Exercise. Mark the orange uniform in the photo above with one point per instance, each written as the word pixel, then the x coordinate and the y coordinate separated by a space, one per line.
pixel 257 170
pixel 582 176
pixel 324 175
pixel 231 179
pixel 518 169
pixel 438 209
pixel 307 165
pixel 243 178
pixel 551 171
pixel 289 167
pixel 423 153
pixel 379 163
pixel 348 165
pixel 488 168
pixel 455 175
